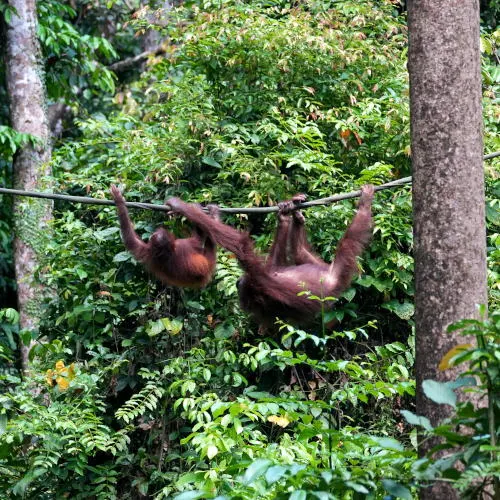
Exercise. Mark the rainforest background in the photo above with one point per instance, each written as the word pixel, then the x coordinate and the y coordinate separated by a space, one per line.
pixel 138 390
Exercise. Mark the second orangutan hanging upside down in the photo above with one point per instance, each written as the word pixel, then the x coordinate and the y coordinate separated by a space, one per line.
pixel 269 288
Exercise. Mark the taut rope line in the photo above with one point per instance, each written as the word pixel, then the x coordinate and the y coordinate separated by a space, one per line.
pixel 240 210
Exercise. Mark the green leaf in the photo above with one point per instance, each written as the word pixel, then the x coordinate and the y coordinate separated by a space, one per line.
pixel 122 257
pixel 189 478
pixel 12 315
pixel 413 419
pixel 349 294
pixel 26 337
pixel 275 473
pixel 439 392
pixel 211 161
pixel 154 328
pixel 173 326
pixel 404 310
pixel 106 234
pixel 238 427
pixel 388 443
pixel 3 423
pixel 255 470
pixel 82 274
pixel 357 487
pixel 396 490
pixel 190 495
pixel 298 495
pixel 224 331
pixel 462 382
pixel 464 323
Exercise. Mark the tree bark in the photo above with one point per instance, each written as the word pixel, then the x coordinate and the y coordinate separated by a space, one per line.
pixel 157 13
pixel 27 101
pixel 448 186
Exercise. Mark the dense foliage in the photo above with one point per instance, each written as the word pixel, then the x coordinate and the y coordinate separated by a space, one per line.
pixel 144 391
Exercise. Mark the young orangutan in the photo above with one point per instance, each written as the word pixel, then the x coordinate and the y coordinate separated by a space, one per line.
pixel 269 288
pixel 187 262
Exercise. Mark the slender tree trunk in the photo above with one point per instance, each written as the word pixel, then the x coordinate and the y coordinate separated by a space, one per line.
pixel 158 15
pixel 448 186
pixel 26 92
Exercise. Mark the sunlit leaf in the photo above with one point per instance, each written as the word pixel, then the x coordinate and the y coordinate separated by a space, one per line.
pixel 62 383
pixel 278 420
pixel 444 364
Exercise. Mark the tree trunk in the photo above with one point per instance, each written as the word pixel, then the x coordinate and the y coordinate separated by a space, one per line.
pixel 448 186
pixel 28 115
pixel 157 15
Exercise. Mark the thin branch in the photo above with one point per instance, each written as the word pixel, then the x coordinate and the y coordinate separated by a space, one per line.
pixel 131 61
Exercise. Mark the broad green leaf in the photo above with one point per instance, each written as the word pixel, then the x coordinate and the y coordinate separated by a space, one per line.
pixel 404 310
pixel 224 331
pixel 439 392
pixel 413 419
pixel 3 423
pixel 388 443
pixel 190 477
pixel 122 257
pixel 275 473
pixel 154 328
pixel 82 274
pixel 396 489
pixel 26 337
pixel 106 233
pixel 212 450
pixel 173 326
pixel 211 161
pixel 462 382
pixel 358 488
pixel 191 495
pixel 255 470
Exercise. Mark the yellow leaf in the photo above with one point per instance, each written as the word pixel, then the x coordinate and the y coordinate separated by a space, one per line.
pixel 48 377
pixel 71 371
pixel 444 364
pixel 60 365
pixel 62 383
pixel 278 420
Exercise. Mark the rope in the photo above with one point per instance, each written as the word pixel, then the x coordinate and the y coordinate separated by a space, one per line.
pixel 240 210
pixel 81 199
pixel 166 208
pixel 491 155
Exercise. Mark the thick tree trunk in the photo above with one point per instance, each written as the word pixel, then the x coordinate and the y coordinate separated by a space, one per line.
pixel 448 185
pixel 28 114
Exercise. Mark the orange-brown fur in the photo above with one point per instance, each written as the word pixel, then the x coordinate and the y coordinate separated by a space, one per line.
pixel 269 288
pixel 186 262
